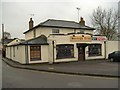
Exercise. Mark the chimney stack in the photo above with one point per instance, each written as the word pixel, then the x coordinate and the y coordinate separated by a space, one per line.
pixel 31 23
pixel 82 22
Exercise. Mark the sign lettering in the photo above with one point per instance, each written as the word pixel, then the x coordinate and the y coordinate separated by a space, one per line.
pixel 80 38
pixel 99 38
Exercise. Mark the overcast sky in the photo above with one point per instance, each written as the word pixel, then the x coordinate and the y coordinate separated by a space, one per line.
pixel 16 13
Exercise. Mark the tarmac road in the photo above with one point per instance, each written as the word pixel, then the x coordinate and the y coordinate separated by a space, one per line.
pixel 22 78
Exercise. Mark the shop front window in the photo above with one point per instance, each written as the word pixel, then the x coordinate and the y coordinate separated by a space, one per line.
pixel 95 50
pixel 64 51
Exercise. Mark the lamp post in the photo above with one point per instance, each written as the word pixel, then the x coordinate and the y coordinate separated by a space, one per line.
pixel 78 12
pixel 3 48
pixel 3 34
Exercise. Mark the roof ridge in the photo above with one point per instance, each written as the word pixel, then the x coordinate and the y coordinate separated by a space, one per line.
pixel 62 20
pixel 32 39
pixel 43 22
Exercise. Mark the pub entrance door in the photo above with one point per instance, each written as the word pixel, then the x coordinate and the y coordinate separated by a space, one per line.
pixel 81 53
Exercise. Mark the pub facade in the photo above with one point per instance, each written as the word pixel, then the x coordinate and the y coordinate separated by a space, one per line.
pixel 55 41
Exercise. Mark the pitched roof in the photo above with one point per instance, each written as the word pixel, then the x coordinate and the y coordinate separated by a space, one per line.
pixel 15 41
pixel 41 40
pixel 61 24
pixel 6 41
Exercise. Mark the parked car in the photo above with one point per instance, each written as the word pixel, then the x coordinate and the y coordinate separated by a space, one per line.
pixel 114 56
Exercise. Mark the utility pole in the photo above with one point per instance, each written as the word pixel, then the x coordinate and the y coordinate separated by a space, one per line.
pixel 3 34
pixel 78 13
pixel 3 48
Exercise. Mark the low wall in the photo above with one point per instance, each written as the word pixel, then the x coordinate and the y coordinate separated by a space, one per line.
pixel 112 46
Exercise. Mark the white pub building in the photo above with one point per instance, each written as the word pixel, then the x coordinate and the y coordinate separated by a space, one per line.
pixel 57 41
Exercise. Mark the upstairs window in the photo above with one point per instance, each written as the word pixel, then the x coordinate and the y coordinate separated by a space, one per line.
pixel 55 30
pixel 81 31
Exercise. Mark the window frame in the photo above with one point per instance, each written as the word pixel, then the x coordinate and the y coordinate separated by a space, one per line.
pixel 63 51
pixel 36 52
pixel 94 47
pixel 82 31
pixel 55 30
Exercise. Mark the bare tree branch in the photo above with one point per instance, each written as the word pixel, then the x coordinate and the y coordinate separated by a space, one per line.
pixel 105 21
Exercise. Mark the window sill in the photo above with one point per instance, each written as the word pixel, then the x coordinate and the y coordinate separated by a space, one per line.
pixel 35 59
pixel 65 58
pixel 94 55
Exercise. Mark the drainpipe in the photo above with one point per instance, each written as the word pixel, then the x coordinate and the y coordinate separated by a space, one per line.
pixel 74 30
pixel 105 49
pixel 3 47
pixel 26 54
pixel 53 50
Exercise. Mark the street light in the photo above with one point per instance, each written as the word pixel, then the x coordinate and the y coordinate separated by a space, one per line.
pixel 3 34
pixel 3 48
pixel 78 12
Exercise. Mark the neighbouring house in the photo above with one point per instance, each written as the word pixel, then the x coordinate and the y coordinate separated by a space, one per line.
pixel 6 42
pixel 7 35
pixel 58 41
pixel 15 41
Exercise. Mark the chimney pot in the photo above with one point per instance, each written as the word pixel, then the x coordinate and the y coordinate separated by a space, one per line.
pixel 31 23
pixel 82 22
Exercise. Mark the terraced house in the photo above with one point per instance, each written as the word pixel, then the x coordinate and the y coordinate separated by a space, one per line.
pixel 57 41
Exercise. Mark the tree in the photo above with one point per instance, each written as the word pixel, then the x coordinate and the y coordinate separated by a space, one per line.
pixel 105 21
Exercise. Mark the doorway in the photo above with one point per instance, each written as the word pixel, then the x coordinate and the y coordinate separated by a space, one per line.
pixel 81 53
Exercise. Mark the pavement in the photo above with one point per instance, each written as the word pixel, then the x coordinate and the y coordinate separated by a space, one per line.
pixel 101 68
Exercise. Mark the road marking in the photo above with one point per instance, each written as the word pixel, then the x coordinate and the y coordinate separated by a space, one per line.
pixel 75 84
pixel 50 68
pixel 103 77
